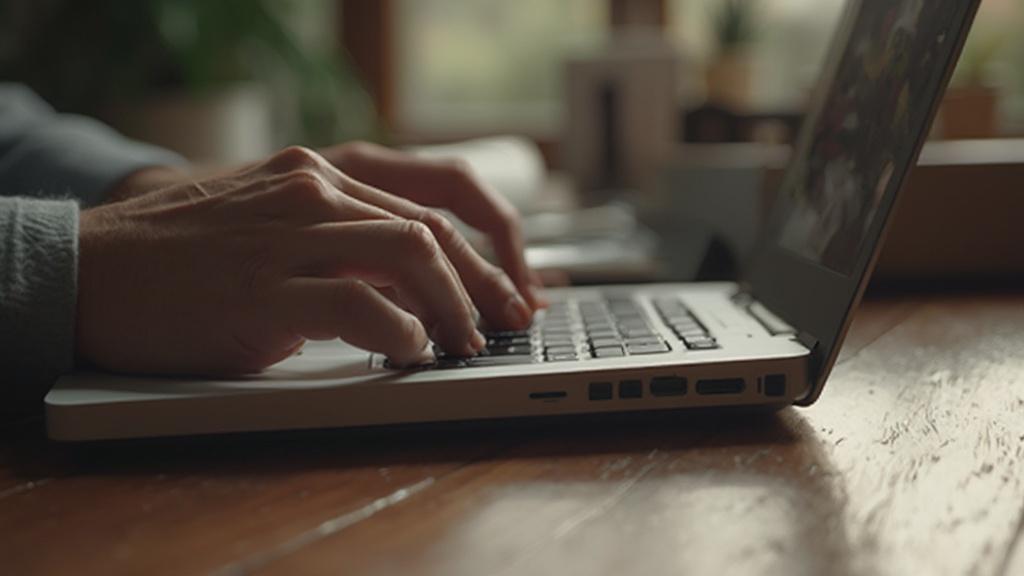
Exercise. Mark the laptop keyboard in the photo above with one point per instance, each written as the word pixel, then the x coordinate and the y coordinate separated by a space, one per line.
pixel 610 327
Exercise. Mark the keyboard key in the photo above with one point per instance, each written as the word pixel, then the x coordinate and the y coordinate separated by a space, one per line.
pixel 561 357
pixel 642 341
pixel 556 324
pixel 594 334
pixel 638 333
pixel 678 318
pixel 563 340
pixel 507 351
pixel 670 313
pixel 557 350
pixel 667 302
pixel 648 348
pixel 449 362
pixel 702 343
pixel 608 352
pixel 486 361
pixel 507 334
pixel 602 342
pixel 691 333
pixel 636 323
pixel 515 341
pixel 685 323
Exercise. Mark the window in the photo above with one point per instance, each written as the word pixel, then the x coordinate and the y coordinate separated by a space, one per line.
pixel 454 68
pixel 788 47
pixel 466 66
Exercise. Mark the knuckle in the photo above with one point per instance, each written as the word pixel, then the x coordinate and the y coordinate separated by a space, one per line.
pixel 358 148
pixel 509 222
pixel 497 278
pixel 294 157
pixel 459 168
pixel 351 155
pixel 410 332
pixel 461 174
pixel 419 238
pixel 346 295
pixel 307 184
pixel 441 227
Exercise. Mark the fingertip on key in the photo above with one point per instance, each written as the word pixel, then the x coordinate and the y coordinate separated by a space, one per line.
pixel 517 312
pixel 477 341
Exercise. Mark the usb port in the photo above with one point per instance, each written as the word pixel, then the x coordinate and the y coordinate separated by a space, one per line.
pixel 775 385
pixel 600 390
pixel 631 389
pixel 720 386
pixel 668 386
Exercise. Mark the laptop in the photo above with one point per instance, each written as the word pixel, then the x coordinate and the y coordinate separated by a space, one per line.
pixel 768 341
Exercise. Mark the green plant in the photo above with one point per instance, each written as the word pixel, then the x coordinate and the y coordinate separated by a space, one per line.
pixel 980 50
pixel 84 56
pixel 734 24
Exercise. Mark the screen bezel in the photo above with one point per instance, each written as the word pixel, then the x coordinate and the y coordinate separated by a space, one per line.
pixel 815 299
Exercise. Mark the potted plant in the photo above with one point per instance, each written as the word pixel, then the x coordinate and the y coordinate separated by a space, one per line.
pixel 970 108
pixel 216 81
pixel 728 74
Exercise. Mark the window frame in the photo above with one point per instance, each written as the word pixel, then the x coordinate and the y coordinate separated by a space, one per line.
pixel 366 32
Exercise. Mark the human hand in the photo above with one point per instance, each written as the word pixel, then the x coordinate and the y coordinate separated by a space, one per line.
pixel 448 184
pixel 232 273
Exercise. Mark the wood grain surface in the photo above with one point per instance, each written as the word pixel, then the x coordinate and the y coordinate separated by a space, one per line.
pixel 911 463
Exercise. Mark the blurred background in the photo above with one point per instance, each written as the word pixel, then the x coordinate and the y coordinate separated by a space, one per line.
pixel 610 121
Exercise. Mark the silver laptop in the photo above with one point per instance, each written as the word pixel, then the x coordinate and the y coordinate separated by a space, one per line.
pixel 769 341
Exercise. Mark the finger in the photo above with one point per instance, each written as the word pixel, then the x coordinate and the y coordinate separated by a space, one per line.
pixel 449 185
pixel 497 297
pixel 392 295
pixel 491 289
pixel 399 254
pixel 318 309
pixel 310 179
pixel 315 195
pixel 537 281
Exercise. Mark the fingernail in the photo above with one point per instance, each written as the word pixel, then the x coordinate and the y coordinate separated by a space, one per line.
pixel 426 355
pixel 517 310
pixel 478 341
pixel 538 300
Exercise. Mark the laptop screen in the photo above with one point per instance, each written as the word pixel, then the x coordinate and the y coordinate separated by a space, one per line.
pixel 878 91
pixel 862 133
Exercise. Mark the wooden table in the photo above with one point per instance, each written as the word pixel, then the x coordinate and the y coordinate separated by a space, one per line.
pixel 911 463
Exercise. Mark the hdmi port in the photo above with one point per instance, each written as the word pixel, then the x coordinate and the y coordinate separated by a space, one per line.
pixel 720 386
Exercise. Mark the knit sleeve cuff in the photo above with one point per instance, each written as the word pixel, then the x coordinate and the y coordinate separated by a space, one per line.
pixel 38 285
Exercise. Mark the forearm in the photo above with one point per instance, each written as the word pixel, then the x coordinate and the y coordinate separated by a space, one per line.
pixel 44 154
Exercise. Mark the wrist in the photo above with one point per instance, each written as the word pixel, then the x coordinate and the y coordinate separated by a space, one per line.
pixel 145 180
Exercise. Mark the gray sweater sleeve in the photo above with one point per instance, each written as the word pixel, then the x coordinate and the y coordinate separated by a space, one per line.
pixel 50 164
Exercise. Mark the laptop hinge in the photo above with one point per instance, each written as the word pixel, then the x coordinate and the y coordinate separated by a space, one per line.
pixel 814 363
